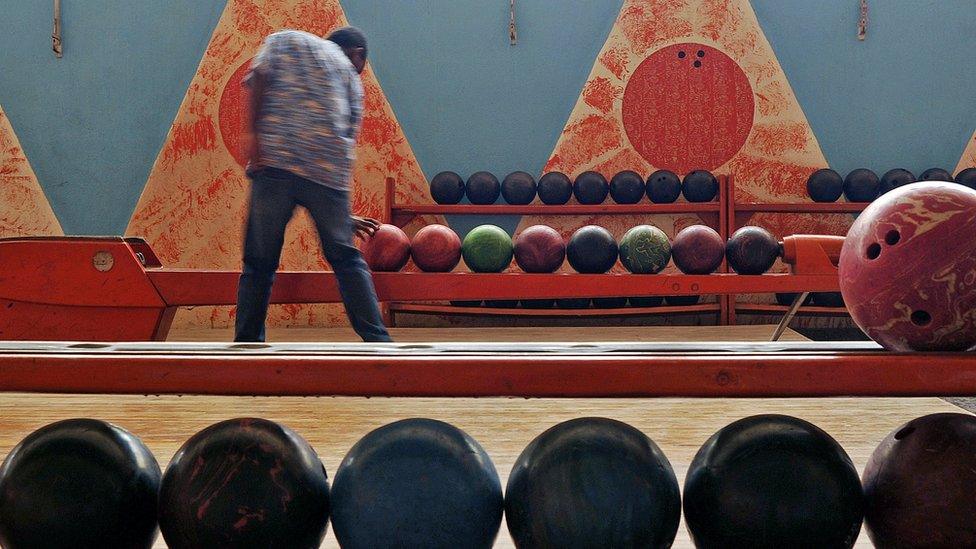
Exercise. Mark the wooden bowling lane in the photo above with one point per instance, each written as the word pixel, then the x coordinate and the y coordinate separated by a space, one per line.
pixel 503 426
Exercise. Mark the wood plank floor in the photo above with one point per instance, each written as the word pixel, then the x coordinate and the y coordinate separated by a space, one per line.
pixel 502 426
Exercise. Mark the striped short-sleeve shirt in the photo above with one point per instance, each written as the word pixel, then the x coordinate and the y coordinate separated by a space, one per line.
pixel 312 108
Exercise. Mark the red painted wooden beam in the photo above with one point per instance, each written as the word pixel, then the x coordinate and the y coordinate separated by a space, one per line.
pixel 197 287
pixel 564 374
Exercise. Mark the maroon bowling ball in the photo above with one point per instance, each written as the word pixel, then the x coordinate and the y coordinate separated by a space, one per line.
pixel 920 482
pixel 752 250
pixel 539 249
pixel 244 483
pixel 387 250
pixel 908 268
pixel 698 249
pixel 436 249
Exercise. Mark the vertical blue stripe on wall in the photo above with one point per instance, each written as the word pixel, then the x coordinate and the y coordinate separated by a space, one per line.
pixel 92 123
pixel 466 98
pixel 901 98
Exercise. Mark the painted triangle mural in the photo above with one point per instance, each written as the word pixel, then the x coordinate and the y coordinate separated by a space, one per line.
pixel 24 209
pixel 968 159
pixel 193 208
pixel 685 85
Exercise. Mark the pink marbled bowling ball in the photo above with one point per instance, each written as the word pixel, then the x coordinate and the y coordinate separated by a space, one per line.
pixel 908 268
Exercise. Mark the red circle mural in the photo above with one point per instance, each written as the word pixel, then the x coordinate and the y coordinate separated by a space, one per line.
pixel 688 106
pixel 233 116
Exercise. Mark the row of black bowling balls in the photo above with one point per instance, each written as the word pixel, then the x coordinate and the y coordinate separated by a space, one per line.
pixel 863 185
pixel 585 302
pixel 764 481
pixel 590 187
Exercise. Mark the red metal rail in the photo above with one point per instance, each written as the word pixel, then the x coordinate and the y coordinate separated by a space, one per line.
pixel 564 374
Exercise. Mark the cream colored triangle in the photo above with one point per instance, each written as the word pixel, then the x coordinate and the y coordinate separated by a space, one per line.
pixel 24 209
pixel 778 149
pixel 193 207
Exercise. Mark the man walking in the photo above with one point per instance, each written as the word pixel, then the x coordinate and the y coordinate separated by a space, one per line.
pixel 306 105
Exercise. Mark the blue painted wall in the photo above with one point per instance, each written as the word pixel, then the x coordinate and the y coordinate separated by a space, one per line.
pixel 467 99
pixel 93 122
pixel 900 98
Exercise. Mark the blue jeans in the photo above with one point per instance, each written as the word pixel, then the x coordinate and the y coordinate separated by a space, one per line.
pixel 274 195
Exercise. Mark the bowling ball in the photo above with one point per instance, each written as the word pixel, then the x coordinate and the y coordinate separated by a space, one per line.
pixel 861 185
pixel 752 250
pixel 788 298
pixel 698 249
pixel 591 188
pixel 906 268
pixel 436 249
pixel 609 302
pixel 647 301
pixel 416 483
pixel 591 249
pixel 501 303
pixel 387 250
pixel 772 481
pixel 827 299
pixel 825 185
pixel 967 178
pixel 555 188
pixel 573 303
pixel 487 249
pixel 79 483
pixel 592 482
pixel 699 186
pixel 895 178
pixel 682 300
pixel 244 483
pixel 466 303
pixel 935 174
pixel 447 188
pixel 627 187
pixel 482 188
pixel 539 249
pixel 518 188
pixel 663 187
pixel 538 303
pixel 919 484
pixel 645 249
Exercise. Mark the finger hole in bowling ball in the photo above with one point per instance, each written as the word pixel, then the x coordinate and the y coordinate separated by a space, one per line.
pixel 681 55
pixel 892 237
pixel 904 432
pixel 701 53
pixel 697 63
pixel 921 318
pixel 874 250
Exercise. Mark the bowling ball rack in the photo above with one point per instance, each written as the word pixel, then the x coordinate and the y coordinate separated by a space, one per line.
pixel 89 295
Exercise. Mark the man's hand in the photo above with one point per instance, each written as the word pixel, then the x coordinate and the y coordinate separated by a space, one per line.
pixel 364 227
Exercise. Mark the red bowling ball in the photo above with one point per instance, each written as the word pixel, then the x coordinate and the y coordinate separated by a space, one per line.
pixel 436 249
pixel 698 249
pixel 919 484
pixel 539 249
pixel 908 268
pixel 387 250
